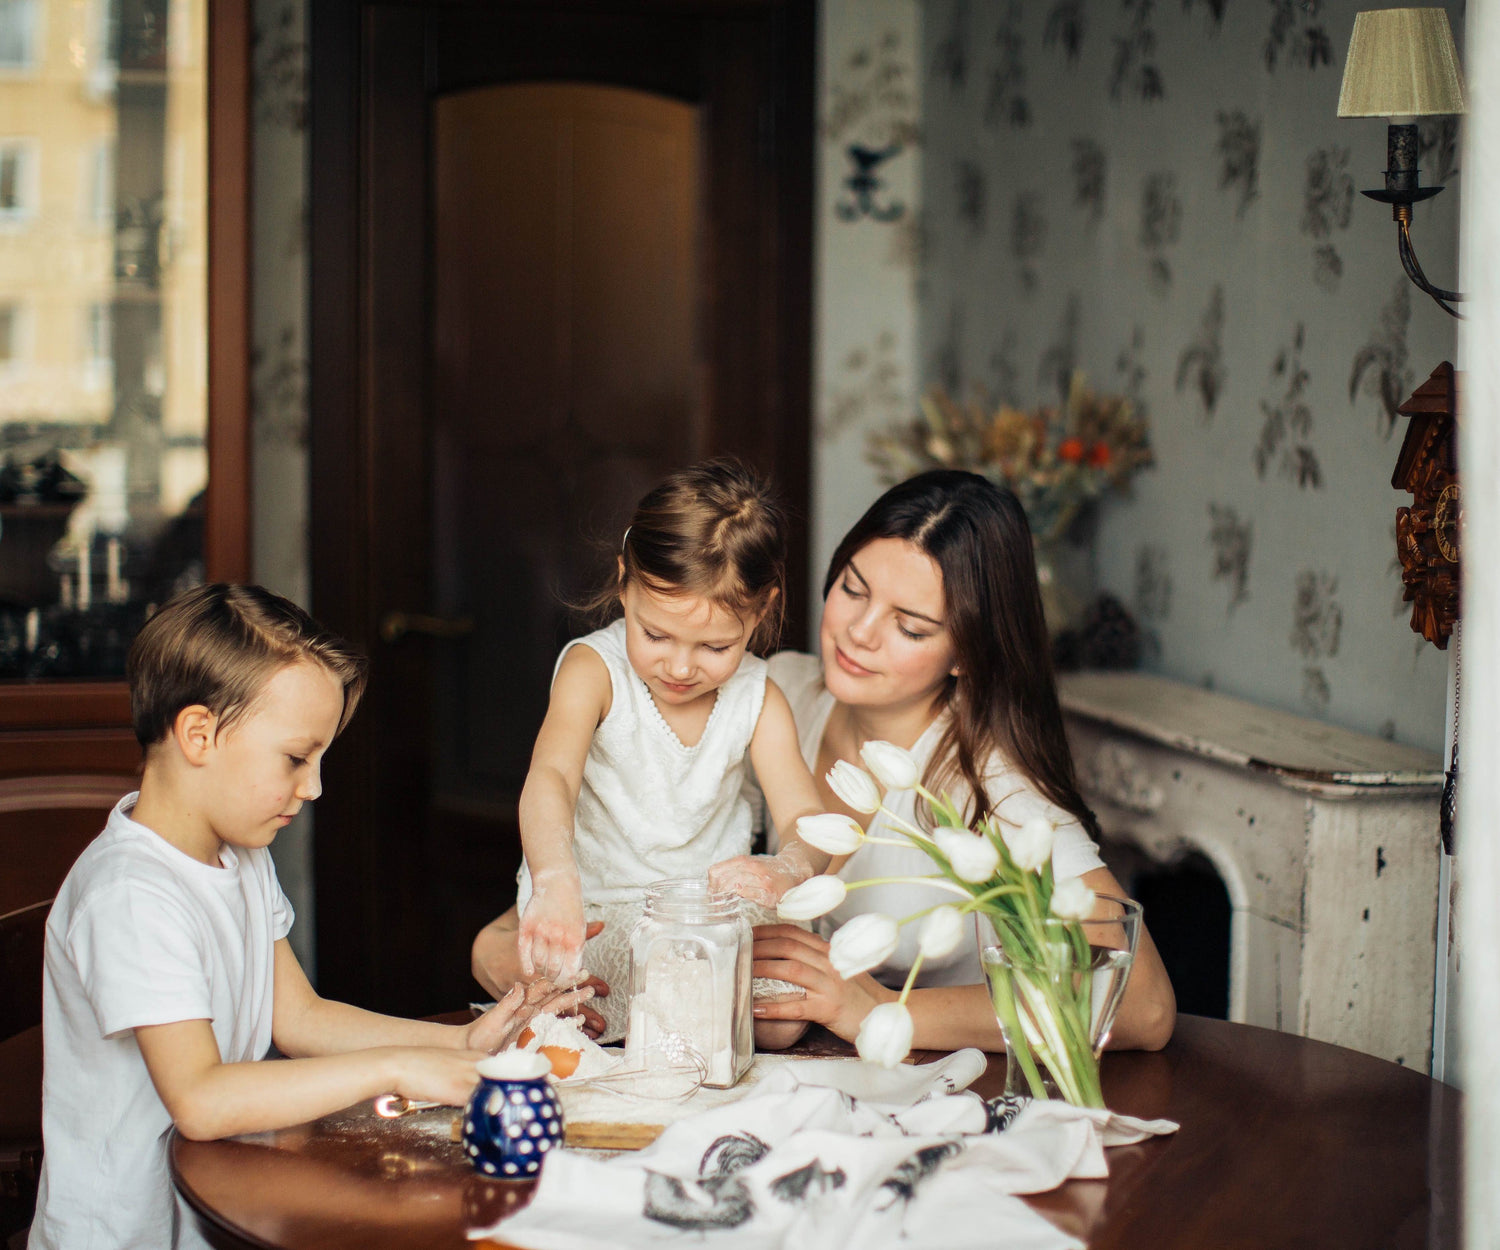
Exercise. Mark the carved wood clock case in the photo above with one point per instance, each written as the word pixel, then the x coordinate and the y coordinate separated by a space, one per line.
pixel 1429 531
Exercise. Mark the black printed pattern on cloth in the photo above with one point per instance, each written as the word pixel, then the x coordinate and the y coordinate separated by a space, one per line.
pixel 719 1200
pixel 902 1184
pixel 811 1180
pixel 1002 1112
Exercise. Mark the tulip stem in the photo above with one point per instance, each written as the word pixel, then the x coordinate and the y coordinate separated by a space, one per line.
pixel 936 881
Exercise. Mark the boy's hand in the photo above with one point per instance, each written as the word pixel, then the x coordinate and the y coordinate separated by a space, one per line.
pixel 432 1074
pixel 504 1022
pixel 763 879
pixel 551 940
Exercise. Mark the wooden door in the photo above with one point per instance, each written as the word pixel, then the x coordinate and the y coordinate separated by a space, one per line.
pixel 558 252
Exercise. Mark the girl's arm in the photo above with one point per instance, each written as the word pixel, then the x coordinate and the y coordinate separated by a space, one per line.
pixel 790 795
pixel 551 933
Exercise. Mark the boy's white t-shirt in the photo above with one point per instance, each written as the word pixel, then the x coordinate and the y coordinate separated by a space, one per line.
pixel 141 934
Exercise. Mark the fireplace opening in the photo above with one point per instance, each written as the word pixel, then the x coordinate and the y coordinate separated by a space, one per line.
pixel 1186 908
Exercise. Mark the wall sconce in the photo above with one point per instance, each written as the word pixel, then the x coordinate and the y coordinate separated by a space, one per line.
pixel 1402 64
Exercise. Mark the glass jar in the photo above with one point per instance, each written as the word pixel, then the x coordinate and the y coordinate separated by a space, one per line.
pixel 690 982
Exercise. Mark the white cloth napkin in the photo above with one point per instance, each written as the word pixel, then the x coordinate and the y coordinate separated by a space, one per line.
pixel 833 1154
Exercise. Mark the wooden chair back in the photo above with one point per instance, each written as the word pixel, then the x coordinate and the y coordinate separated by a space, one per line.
pixel 21 939
pixel 45 822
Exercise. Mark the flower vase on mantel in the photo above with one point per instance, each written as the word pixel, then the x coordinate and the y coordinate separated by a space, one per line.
pixel 1056 954
pixel 1056 986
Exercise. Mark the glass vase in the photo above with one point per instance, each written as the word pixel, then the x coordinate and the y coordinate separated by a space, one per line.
pixel 1056 986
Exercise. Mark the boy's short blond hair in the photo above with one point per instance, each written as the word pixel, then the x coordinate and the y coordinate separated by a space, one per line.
pixel 218 645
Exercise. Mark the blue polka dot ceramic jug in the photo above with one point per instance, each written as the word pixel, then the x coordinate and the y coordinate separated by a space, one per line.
pixel 514 1117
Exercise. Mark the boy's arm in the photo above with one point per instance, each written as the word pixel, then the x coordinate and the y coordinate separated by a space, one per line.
pixel 208 1098
pixel 303 1024
pixel 551 936
pixel 790 795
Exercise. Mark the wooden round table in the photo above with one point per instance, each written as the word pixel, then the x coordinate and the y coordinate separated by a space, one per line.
pixel 1285 1142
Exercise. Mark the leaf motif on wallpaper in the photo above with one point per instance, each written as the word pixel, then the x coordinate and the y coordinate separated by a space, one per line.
pixel 1153 583
pixel 1437 148
pixel 1287 429
pixel 972 192
pixel 1131 372
pixel 1202 361
pixel 868 391
pixel 1005 373
pixel 1231 540
pixel 1316 692
pixel 1133 70
pixel 1380 365
pixel 1216 9
pixel 1328 267
pixel 1060 358
pixel 1090 179
pixel 279 80
pixel 1295 35
pixel 1239 157
pixel 866 190
pixel 1028 237
pixel 1161 225
pixel 870 100
pixel 1327 193
pixel 1065 28
pixel 1317 617
pixel 278 389
pixel 1006 101
pixel 950 59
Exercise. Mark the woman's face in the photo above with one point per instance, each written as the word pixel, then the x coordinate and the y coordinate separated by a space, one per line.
pixel 884 638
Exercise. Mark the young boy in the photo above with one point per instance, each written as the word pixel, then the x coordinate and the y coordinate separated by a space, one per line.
pixel 168 972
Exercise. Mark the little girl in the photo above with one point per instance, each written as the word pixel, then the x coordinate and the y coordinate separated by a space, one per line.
pixel 638 768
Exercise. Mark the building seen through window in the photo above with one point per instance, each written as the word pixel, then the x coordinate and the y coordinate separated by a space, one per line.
pixel 103 296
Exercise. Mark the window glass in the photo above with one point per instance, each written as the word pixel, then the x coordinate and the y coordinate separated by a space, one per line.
pixel 103 347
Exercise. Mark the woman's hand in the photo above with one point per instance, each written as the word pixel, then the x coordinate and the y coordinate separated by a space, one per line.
pixel 792 954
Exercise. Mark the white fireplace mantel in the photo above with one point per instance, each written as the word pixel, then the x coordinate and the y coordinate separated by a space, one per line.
pixel 1326 841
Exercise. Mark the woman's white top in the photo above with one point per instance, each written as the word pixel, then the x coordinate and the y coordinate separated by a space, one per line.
pixel 651 808
pixel 800 678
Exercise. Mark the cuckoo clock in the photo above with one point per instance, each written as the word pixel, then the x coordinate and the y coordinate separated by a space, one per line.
pixel 1429 532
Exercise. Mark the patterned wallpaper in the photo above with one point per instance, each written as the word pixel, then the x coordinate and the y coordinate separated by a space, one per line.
pixel 1162 196
pixel 868 236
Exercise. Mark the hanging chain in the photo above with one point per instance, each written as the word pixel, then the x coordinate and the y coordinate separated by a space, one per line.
pixel 1448 810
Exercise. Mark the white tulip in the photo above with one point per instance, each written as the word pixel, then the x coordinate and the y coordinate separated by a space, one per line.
pixel 973 856
pixel 866 941
pixel 817 896
pixel 893 768
pixel 1030 845
pixel 885 1035
pixel 831 832
pixel 854 786
pixel 1072 900
pixel 942 931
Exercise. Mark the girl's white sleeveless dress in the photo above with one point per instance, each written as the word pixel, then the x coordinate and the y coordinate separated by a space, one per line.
pixel 651 808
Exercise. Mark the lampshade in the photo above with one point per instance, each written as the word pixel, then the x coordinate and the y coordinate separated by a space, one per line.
pixel 1402 63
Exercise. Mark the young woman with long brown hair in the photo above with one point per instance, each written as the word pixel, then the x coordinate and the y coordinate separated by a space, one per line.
pixel 933 638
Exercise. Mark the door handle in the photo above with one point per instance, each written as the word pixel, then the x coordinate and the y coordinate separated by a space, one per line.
pixel 394 626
